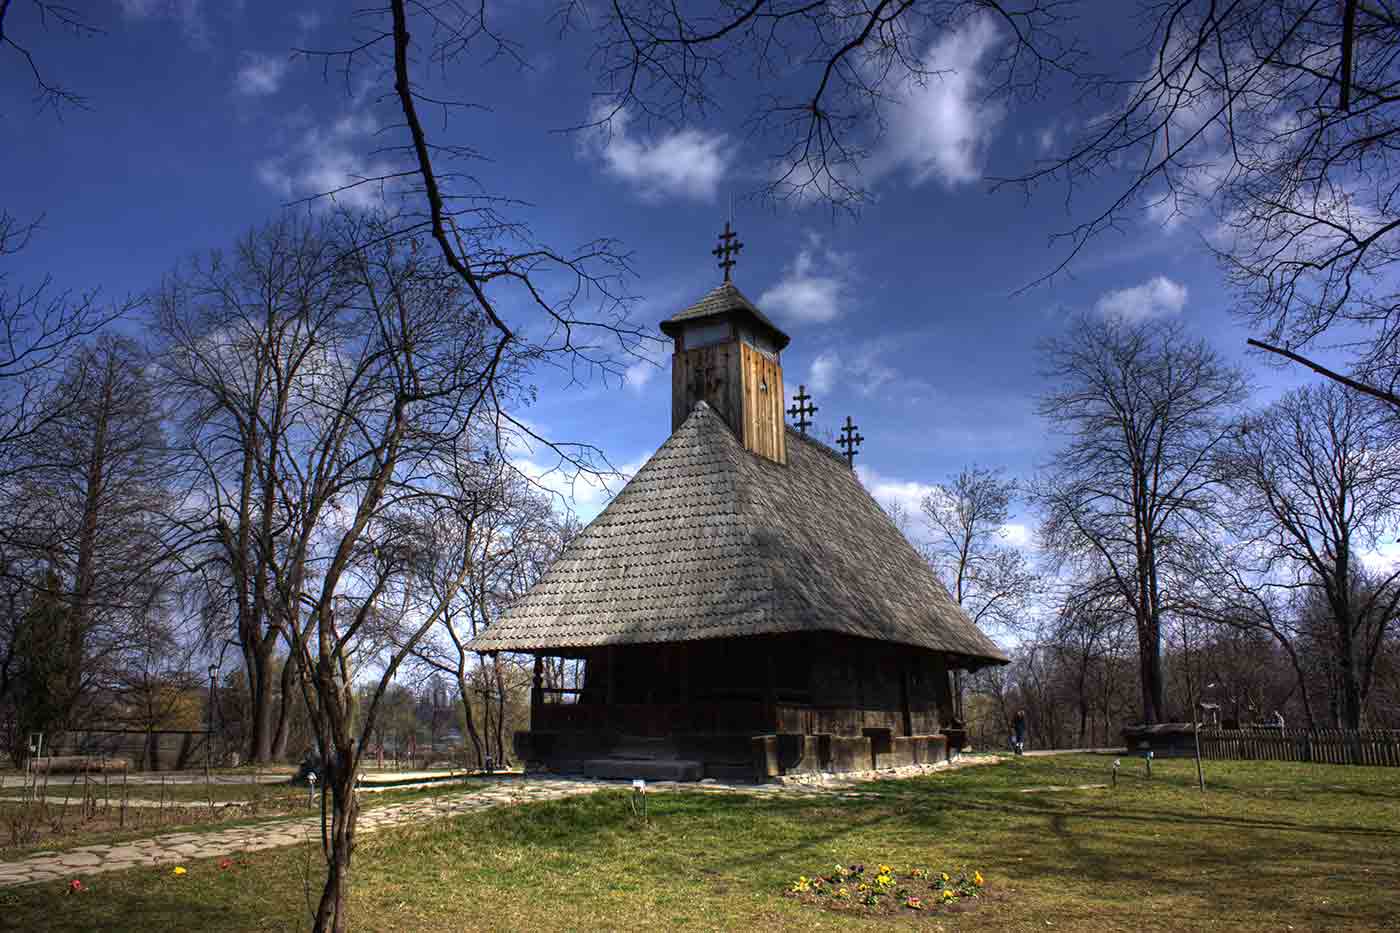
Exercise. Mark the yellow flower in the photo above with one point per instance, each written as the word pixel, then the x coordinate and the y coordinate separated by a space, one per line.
pixel 178 870
pixel 945 876
pixel 842 892
pixel 884 880
pixel 977 878
pixel 949 893
pixel 885 869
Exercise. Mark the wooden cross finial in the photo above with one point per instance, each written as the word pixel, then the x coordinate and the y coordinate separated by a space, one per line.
pixel 801 410
pixel 850 440
pixel 727 247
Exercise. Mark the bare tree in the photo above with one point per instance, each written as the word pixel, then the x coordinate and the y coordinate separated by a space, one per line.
pixel 39 328
pixel 395 393
pixel 487 553
pixel 1133 490
pixel 1318 483
pixel 48 93
pixel 89 502
pixel 967 518
pixel 241 334
pixel 1281 120
pixel 1088 634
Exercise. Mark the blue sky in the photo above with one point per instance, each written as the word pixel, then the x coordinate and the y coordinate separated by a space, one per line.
pixel 200 125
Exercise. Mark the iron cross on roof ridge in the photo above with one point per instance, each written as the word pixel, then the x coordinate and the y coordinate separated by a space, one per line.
pixel 850 440
pixel 726 249
pixel 801 410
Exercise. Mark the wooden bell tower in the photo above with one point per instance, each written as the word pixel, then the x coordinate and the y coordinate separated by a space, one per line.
pixel 728 355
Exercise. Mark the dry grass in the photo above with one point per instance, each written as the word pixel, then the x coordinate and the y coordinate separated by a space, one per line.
pixel 1267 847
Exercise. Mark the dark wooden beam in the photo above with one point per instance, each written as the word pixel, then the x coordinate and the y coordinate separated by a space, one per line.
pixel 612 674
pixel 904 694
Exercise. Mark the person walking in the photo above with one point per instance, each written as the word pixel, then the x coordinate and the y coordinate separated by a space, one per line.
pixel 1019 731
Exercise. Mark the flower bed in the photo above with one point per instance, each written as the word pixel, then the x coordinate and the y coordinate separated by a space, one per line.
pixel 884 890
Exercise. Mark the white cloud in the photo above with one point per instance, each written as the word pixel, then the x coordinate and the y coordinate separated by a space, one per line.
pixel 652 356
pixel 940 127
pixel 1157 297
pixel 636 376
pixel 580 494
pixel 188 13
pixel 325 160
pixel 684 163
pixel 1018 535
pixel 804 294
pixel 1383 558
pixel 260 75
pixel 861 367
pixel 822 375
pixel 905 493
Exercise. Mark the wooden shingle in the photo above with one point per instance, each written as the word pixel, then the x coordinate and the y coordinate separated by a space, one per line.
pixel 710 541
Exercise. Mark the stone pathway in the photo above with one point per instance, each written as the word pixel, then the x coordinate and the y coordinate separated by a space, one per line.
pixel 176 848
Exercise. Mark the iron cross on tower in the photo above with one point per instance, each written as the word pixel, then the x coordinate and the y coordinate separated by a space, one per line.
pixel 801 410
pixel 727 247
pixel 850 440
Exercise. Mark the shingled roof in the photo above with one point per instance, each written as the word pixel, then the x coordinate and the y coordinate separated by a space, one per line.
pixel 725 299
pixel 711 541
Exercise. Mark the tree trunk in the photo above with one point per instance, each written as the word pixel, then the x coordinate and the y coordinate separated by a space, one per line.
pixel 1150 671
pixel 260 694
pixel 465 690
pixel 1350 686
pixel 284 709
pixel 331 914
pixel 500 712
pixel 85 572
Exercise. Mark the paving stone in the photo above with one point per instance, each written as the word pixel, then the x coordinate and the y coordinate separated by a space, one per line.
pixel 126 853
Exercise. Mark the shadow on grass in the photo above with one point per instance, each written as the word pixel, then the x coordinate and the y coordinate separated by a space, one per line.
pixel 1138 858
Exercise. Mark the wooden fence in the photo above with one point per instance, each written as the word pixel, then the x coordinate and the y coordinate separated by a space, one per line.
pixel 1330 746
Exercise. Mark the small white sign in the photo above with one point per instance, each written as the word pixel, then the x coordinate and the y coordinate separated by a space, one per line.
pixel 639 784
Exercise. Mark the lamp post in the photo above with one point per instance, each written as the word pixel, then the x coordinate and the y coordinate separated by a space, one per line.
pixel 209 732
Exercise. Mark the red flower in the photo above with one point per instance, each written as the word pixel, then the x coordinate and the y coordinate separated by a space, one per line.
pixel 225 863
pixel 74 886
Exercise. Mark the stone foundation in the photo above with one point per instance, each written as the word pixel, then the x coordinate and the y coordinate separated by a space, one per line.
pixel 729 757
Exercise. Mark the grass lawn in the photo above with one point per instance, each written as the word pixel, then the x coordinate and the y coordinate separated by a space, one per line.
pixel 1269 846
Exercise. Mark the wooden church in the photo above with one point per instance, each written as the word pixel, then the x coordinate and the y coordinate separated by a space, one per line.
pixel 743 607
